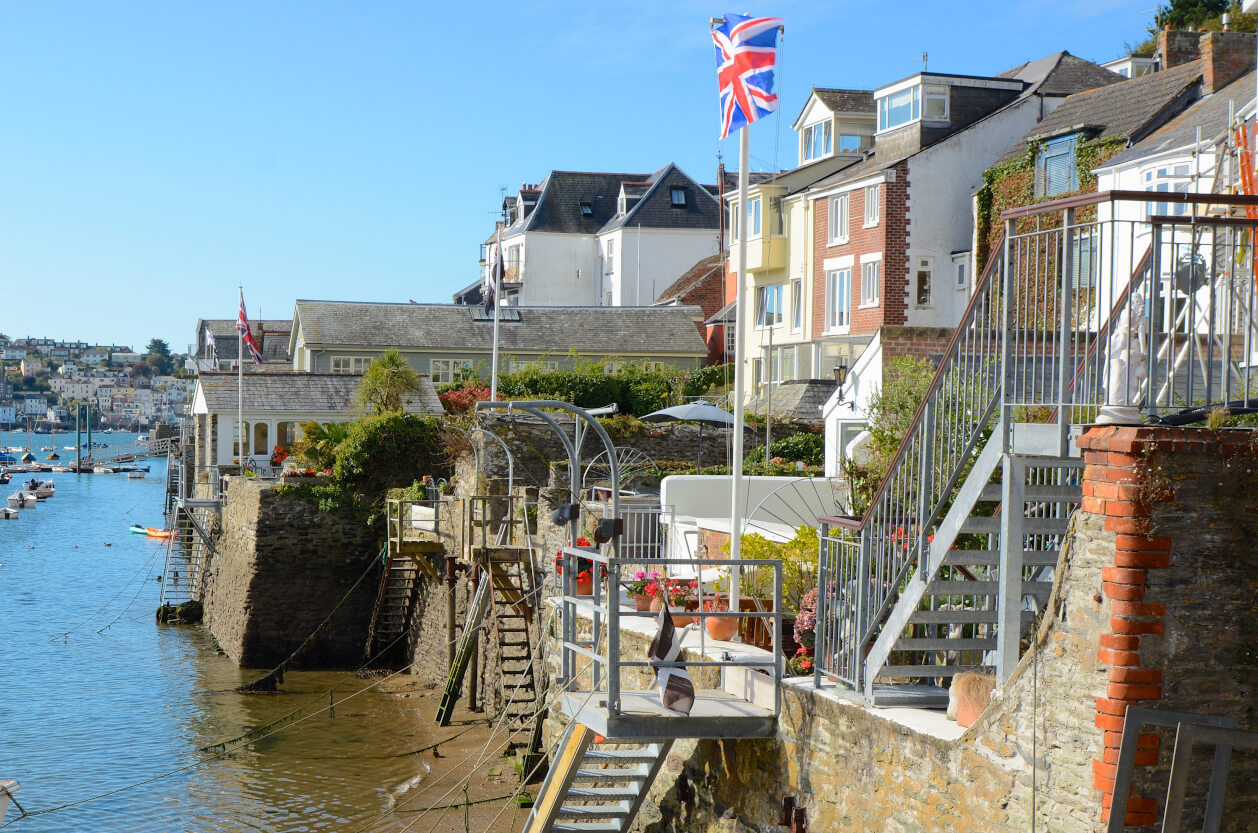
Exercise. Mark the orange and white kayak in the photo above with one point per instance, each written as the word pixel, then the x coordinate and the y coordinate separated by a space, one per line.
pixel 154 532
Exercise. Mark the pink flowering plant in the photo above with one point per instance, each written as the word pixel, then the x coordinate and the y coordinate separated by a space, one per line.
pixel 641 581
pixel 806 621
pixel 674 591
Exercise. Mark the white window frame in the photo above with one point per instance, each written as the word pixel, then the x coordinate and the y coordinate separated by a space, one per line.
pixel 797 305
pixel 516 365
pixel 923 265
pixel 609 267
pixel 934 94
pixel 734 225
pixel 914 95
pixel 777 217
pixel 762 311
pixel 871 278
pixel 443 371
pixel 350 364
pixel 1167 178
pixel 840 216
pixel 838 313
pixel 810 139
pixel 873 194
pixel 961 271
pixel 754 217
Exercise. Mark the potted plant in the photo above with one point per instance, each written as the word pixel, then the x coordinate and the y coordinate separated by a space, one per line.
pixel 585 569
pixel 800 664
pixel 675 593
pixel 806 622
pixel 637 589
pixel 721 628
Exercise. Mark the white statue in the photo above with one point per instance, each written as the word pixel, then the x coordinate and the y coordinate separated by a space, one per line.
pixel 1127 364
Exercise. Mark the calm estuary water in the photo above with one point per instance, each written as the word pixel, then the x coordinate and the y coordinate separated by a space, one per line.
pixel 95 697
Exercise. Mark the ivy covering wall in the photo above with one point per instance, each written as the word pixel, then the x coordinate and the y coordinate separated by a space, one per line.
pixel 1011 184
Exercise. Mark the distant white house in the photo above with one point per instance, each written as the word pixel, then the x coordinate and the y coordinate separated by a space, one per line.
pixel 605 239
pixel 275 404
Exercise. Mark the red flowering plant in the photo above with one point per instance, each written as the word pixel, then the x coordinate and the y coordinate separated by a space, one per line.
pixel 278 455
pixel 674 590
pixel 641 581
pixel 585 566
pixel 801 663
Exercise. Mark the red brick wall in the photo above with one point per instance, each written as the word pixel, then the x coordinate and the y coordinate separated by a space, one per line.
pixel 709 296
pixel 1177 503
pixel 888 237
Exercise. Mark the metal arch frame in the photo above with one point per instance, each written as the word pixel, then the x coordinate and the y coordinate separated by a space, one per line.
pixel 593 460
pixel 750 517
pixel 582 417
pixel 476 454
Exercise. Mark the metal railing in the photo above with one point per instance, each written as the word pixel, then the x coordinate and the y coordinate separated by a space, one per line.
pixel 414 519
pixel 604 648
pixel 1086 303
pixel 644 537
pixel 491 521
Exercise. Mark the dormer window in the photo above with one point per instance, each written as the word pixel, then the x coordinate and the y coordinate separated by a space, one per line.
pixel 817 140
pixel 586 210
pixel 621 204
pixel 900 108
pixel 677 197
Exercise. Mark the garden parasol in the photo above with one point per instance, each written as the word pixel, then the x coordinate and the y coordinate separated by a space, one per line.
pixel 704 413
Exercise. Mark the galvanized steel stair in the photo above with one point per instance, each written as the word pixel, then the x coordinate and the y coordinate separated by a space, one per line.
pixel 595 787
pixel 945 620
pixel 186 554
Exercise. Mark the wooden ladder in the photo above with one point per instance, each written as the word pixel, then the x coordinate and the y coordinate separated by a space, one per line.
pixel 511 607
pixel 395 603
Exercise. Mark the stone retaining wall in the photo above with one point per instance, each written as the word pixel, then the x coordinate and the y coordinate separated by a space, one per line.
pixel 281 566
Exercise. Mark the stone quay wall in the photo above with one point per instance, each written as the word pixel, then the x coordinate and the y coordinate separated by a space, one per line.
pixel 279 567
pixel 1152 604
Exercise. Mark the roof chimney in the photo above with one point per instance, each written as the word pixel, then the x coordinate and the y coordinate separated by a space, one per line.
pixel 1176 47
pixel 1224 56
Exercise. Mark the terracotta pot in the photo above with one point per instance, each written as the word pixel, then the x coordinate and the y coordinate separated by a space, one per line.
pixel 585 587
pixel 643 602
pixel 721 628
pixel 657 604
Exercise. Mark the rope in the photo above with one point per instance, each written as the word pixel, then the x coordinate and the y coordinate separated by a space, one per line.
pixel 240 741
pixel 272 678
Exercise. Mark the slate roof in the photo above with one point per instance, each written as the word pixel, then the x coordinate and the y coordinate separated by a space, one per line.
pixel 558 207
pixel 450 328
pixel 706 269
pixel 226 342
pixel 1061 74
pixel 654 209
pixel 302 393
pixel 1130 110
pixel 1209 113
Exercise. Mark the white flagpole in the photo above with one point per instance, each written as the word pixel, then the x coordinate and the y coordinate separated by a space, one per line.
pixel 736 468
pixel 495 274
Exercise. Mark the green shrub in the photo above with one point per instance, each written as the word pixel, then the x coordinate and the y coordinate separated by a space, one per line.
pixel 707 379
pixel 383 451
pixel 810 448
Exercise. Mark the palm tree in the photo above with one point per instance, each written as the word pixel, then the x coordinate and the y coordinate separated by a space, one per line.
pixel 387 382
pixel 318 443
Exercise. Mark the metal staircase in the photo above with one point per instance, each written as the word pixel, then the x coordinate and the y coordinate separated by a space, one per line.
pixel 595 787
pixel 395 603
pixel 1086 303
pixel 186 554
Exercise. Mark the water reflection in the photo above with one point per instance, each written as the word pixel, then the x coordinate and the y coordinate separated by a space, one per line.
pixel 84 713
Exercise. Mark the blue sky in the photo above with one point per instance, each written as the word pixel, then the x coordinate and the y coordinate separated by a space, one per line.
pixel 155 155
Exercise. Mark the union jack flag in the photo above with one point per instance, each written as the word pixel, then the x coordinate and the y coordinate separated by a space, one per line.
pixel 246 334
pixel 746 51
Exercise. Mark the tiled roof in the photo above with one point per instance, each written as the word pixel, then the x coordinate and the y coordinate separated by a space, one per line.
pixel 846 101
pixel 1209 113
pixel 450 328
pixel 1129 110
pixel 301 393
pixel 1061 74
pixel 706 269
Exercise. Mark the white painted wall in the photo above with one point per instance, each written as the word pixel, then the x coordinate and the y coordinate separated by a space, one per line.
pixel 942 180
pixel 558 269
pixel 850 403
pixel 647 261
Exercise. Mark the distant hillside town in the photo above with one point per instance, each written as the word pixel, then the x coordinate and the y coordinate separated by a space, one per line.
pixel 44 382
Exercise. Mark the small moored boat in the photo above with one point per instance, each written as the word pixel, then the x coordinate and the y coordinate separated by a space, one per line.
pixel 138 529
pixel 154 532
pixel 41 489
pixel 7 789
pixel 135 475
pixel 7 514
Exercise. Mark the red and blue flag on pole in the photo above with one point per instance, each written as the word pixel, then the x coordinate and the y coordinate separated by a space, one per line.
pixel 246 334
pixel 746 53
